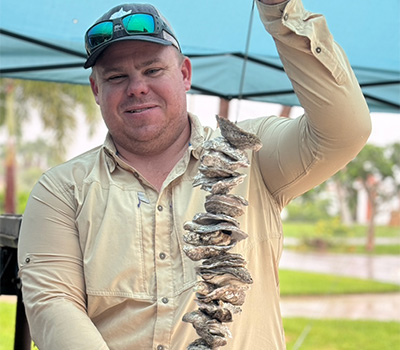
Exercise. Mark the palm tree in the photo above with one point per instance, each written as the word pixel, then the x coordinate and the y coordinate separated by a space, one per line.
pixel 57 104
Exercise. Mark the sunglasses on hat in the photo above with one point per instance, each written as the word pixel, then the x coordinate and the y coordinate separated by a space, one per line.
pixel 129 25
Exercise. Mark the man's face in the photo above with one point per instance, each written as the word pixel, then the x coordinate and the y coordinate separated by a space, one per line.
pixel 141 90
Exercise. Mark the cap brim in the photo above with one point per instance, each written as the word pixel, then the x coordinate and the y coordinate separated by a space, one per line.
pixel 91 60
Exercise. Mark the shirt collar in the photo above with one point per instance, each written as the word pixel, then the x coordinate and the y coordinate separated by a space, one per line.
pixel 111 152
pixel 198 134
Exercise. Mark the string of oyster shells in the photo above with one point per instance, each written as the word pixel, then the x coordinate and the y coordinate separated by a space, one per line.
pixel 224 278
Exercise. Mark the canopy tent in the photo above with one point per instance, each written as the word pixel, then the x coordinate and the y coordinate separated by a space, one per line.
pixel 43 40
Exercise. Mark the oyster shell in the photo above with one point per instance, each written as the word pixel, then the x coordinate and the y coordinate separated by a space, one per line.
pixel 224 259
pixel 199 344
pixel 215 172
pixel 212 219
pixel 203 288
pixel 211 330
pixel 223 274
pixel 217 185
pixel 228 204
pixel 238 137
pixel 234 294
pixel 208 238
pixel 222 227
pixel 218 159
pixel 205 252
pixel 222 145
pixel 220 310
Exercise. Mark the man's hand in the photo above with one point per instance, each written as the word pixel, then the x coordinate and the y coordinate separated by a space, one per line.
pixel 272 2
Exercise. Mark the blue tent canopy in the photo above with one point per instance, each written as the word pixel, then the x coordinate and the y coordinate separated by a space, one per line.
pixel 43 40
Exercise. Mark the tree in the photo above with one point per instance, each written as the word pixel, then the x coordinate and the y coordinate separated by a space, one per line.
pixel 57 104
pixel 394 155
pixel 372 168
pixel 346 195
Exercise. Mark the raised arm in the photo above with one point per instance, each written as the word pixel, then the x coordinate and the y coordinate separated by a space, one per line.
pixel 306 151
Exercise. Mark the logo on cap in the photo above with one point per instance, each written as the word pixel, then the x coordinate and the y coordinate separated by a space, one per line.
pixel 120 13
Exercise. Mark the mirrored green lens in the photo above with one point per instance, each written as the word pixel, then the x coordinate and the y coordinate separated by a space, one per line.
pixel 100 33
pixel 139 23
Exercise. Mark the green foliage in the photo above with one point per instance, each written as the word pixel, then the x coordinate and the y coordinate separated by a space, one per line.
pixel 322 234
pixel 308 210
pixel 57 104
pixel 394 155
pixel 371 161
pixel 327 233
pixel 8 312
pixel 342 334
pixel 22 199
pixel 331 228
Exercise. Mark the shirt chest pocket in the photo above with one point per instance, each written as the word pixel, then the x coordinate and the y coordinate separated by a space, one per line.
pixel 117 259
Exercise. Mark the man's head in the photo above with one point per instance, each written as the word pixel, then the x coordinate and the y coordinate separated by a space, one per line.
pixel 140 81
pixel 128 22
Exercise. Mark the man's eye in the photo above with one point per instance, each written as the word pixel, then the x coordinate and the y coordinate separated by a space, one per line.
pixel 116 77
pixel 153 71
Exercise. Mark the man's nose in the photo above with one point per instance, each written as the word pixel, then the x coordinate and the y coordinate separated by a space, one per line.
pixel 137 86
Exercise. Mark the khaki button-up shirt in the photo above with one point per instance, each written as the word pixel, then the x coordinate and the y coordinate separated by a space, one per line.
pixel 100 250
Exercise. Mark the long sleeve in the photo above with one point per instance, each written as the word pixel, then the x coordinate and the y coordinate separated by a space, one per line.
pixel 51 270
pixel 306 151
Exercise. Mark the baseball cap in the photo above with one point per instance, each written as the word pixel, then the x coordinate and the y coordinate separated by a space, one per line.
pixel 127 22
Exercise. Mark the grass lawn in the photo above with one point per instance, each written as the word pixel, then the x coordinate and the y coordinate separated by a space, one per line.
pixel 393 249
pixel 340 248
pixel 7 325
pixel 311 334
pixel 307 283
pixel 335 244
pixel 302 229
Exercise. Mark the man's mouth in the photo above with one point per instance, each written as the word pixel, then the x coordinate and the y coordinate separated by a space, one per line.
pixel 138 110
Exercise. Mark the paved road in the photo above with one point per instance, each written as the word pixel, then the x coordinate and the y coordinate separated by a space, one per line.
pixel 381 307
pixel 351 240
pixel 384 307
pixel 384 268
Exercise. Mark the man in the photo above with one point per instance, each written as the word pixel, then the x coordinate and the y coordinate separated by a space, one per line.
pixel 100 251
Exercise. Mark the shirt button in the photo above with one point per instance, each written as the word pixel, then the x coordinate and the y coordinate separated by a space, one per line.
pixel 163 256
pixel 160 347
pixel 28 260
pixel 286 17
pixel 318 50
pixel 160 208
pixel 165 300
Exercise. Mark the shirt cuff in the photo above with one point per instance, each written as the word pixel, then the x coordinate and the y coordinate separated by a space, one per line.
pixel 287 20
pixel 271 12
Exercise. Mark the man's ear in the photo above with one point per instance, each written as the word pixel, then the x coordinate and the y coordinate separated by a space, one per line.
pixel 94 87
pixel 186 69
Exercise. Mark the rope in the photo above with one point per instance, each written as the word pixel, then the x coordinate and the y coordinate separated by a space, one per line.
pixel 246 55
